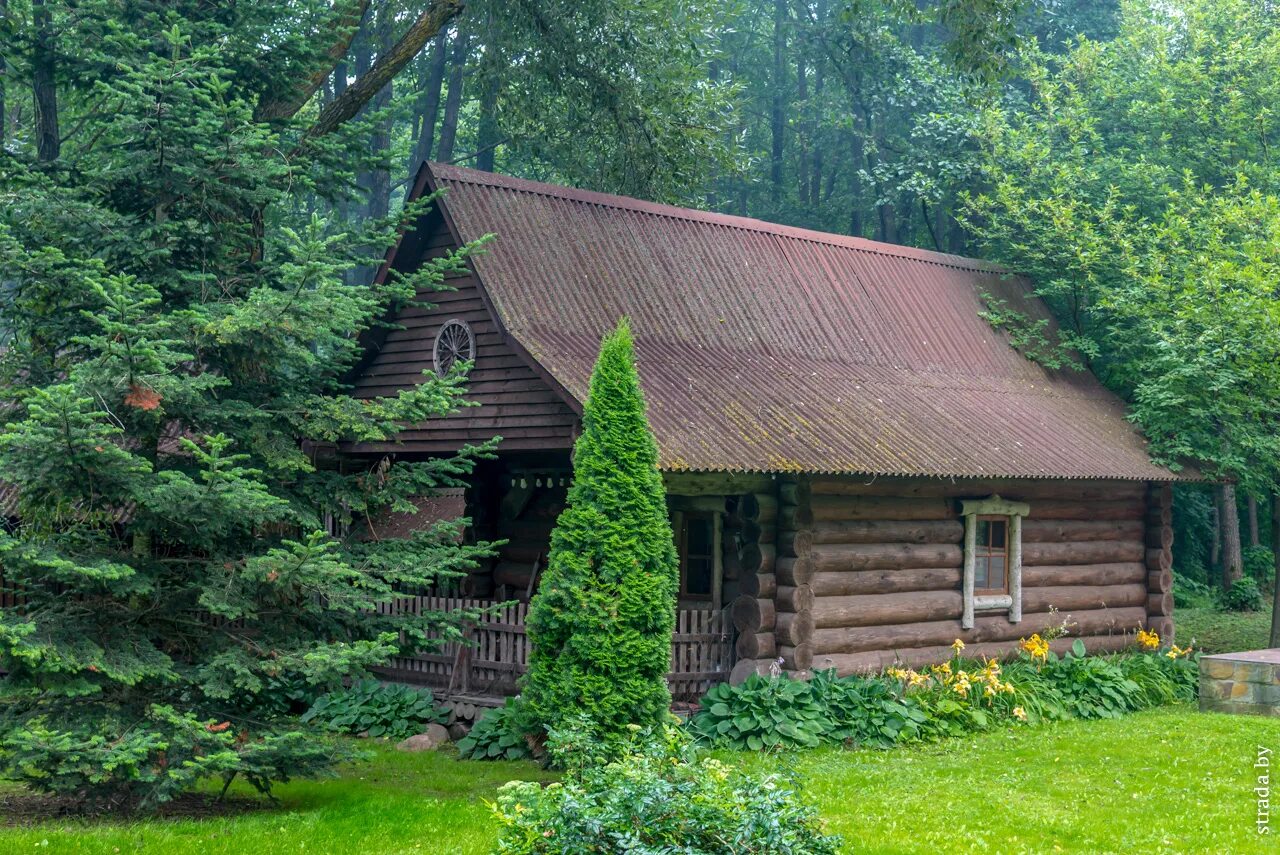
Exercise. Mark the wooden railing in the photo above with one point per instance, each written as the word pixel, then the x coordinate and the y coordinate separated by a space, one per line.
pixel 496 651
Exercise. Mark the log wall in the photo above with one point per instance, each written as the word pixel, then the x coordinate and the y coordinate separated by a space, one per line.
pixel 872 568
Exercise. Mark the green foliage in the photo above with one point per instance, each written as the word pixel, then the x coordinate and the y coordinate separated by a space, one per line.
pixel 658 796
pixel 1213 630
pixel 874 713
pixel 763 713
pixel 390 710
pixel 496 736
pixel 1146 215
pixel 1189 593
pixel 177 330
pixel 904 706
pixel 1091 686
pixel 602 618
pixel 130 764
pixel 1260 564
pixel 1244 595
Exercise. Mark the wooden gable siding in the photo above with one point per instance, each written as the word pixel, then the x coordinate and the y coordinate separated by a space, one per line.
pixel 515 402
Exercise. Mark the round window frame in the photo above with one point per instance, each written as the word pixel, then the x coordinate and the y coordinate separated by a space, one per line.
pixel 435 347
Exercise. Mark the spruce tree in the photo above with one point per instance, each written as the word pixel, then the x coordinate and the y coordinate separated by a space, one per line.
pixel 602 619
pixel 177 331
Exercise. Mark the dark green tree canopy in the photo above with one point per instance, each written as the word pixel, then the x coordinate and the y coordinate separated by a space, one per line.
pixel 177 328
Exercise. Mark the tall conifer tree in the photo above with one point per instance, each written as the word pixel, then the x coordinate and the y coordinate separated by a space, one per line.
pixel 602 619
pixel 177 330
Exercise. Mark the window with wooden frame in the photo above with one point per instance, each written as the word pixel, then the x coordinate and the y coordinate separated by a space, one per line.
pixel 992 577
pixel 696 544
pixel 991 556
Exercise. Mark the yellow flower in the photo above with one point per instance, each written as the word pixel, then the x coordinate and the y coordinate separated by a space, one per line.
pixel 944 668
pixel 1036 647
pixel 1019 713
pixel 1148 639
pixel 957 646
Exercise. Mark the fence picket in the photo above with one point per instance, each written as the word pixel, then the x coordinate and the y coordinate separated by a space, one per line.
pixel 498 653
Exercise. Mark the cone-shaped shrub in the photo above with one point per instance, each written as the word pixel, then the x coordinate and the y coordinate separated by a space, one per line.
pixel 602 619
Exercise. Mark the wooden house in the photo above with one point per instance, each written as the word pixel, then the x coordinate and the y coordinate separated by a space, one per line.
pixel 860 469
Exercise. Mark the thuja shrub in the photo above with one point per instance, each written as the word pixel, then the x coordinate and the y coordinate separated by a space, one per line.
pixel 601 621
pixel 656 795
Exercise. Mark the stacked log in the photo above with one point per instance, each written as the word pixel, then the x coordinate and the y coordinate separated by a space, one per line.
pixel 794 570
pixel 1158 559
pixel 754 610
pixel 885 560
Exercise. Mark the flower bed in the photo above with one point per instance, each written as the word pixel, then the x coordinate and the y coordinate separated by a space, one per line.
pixel 958 696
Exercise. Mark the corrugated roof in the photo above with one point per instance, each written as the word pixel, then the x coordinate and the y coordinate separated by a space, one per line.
pixel 764 347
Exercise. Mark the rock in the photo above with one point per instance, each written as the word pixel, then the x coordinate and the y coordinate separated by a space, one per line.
pixel 457 730
pixel 432 738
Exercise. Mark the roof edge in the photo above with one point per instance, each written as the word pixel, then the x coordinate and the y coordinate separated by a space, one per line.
pixel 449 172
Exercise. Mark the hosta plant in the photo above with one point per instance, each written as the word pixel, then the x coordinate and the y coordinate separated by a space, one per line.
pixel 497 736
pixel 378 709
pixel 764 713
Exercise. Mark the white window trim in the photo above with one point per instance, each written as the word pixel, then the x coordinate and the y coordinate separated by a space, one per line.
pixel 971 509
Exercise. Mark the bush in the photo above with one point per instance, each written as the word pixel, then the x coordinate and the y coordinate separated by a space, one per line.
pixel 1260 564
pixel 381 709
pixel 601 621
pixel 762 712
pixel 162 753
pixel 1191 594
pixel 1092 686
pixel 659 796
pixel 953 698
pixel 496 736
pixel 1244 596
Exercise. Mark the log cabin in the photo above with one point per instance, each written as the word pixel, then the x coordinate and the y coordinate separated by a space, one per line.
pixel 860 468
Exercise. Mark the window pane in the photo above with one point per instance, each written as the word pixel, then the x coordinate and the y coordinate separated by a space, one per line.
pixel 697 581
pixel 698 536
pixel 984 533
pixel 998 533
pixel 980 571
pixel 995 572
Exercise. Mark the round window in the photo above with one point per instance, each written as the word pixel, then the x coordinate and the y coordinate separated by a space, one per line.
pixel 454 343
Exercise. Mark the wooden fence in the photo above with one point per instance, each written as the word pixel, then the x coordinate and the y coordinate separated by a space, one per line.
pixel 495 651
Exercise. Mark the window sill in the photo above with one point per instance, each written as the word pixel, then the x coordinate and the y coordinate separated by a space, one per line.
pixel 992 602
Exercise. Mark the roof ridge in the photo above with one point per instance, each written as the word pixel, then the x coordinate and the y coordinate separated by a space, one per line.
pixel 449 172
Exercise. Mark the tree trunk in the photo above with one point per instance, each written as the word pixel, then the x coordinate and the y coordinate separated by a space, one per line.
pixel 44 84
pixel 1251 502
pixel 855 213
pixel 1275 549
pixel 4 79
pixel 487 128
pixel 1215 524
pixel 380 176
pixel 805 141
pixel 777 120
pixel 1232 554
pixel 430 105
pixel 453 100
pixel 424 28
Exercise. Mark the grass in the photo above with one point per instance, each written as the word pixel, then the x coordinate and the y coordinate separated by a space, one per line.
pixel 1222 632
pixel 1167 780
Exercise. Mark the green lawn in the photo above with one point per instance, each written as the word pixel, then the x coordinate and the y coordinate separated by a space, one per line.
pixel 1169 780
pixel 1222 632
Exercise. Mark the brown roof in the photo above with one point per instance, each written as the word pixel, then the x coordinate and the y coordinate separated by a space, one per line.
pixel 763 347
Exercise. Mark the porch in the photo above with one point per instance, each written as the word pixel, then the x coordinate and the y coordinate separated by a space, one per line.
pixel 483 669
